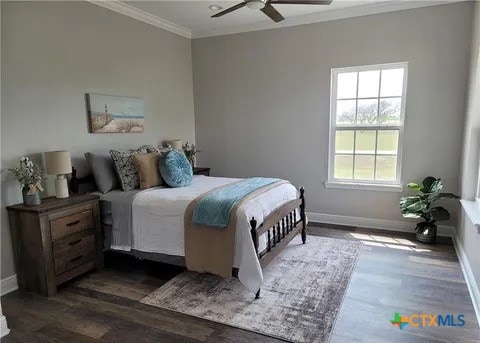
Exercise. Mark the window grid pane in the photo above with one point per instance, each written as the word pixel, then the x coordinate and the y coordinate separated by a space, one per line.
pixel 364 167
pixel 368 85
pixel 347 85
pixel 393 82
pixel 344 141
pixel 343 166
pixel 386 169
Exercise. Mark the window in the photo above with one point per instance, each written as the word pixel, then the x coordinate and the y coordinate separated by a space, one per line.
pixel 366 124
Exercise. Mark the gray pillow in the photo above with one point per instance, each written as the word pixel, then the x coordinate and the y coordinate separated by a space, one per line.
pixel 126 170
pixel 103 172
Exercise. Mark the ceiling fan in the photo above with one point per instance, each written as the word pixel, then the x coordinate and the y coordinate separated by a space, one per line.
pixel 266 7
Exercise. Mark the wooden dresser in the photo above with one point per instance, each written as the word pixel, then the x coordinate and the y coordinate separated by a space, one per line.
pixel 55 241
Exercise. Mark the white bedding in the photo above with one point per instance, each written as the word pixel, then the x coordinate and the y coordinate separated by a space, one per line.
pixel 158 222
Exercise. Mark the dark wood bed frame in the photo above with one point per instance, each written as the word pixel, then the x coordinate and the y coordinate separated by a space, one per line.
pixel 280 227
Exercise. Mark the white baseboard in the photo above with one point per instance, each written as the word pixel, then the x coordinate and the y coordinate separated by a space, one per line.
pixel 382 224
pixel 9 284
pixel 469 278
pixel 4 330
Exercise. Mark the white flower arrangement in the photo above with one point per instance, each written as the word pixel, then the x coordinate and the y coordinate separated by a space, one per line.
pixel 29 174
pixel 190 150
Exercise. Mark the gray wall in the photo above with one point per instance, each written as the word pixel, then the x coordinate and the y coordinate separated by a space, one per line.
pixel 466 232
pixel 262 100
pixel 55 52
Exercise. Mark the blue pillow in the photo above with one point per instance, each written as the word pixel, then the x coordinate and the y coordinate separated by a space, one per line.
pixel 175 169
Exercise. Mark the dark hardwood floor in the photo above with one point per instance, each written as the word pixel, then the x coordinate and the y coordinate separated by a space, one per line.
pixel 393 274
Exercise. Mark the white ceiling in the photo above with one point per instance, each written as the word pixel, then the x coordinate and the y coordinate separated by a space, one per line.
pixel 192 18
pixel 195 15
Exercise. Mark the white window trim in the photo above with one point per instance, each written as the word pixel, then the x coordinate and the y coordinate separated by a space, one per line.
pixel 365 186
pixel 477 194
pixel 332 182
pixel 472 208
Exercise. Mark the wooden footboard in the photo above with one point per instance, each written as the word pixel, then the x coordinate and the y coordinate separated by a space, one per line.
pixel 281 226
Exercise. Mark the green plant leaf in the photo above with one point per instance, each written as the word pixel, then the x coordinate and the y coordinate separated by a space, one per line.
pixel 439 213
pixel 436 196
pixel 412 215
pixel 436 186
pixel 427 184
pixel 413 206
pixel 414 186
pixel 448 196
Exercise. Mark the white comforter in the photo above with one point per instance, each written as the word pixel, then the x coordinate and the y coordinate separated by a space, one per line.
pixel 158 222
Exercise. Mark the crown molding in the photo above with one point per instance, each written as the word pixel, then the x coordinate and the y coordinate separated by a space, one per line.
pixel 341 13
pixel 146 17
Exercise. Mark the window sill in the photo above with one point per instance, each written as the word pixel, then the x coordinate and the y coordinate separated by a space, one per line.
pixel 472 209
pixel 364 186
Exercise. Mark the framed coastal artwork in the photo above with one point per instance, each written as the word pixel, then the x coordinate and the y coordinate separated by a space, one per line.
pixel 114 114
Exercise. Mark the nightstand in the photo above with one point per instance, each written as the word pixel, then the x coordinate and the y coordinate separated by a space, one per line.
pixel 55 241
pixel 201 171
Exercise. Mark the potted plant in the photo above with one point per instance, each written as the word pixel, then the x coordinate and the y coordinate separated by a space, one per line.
pixel 421 205
pixel 29 174
pixel 190 150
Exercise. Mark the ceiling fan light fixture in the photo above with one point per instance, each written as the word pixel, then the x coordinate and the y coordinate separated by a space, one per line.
pixel 255 4
pixel 215 7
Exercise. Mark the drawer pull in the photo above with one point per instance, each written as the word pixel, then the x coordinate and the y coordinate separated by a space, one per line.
pixel 73 223
pixel 76 242
pixel 75 259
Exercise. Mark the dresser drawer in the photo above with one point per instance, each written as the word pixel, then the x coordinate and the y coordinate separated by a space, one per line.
pixel 71 224
pixel 73 251
pixel 73 243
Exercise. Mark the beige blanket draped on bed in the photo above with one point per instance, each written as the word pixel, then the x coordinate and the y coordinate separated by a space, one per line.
pixel 212 249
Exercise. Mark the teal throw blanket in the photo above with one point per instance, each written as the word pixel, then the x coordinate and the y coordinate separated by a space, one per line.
pixel 214 209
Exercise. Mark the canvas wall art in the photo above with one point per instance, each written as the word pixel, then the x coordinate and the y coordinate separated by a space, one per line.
pixel 115 114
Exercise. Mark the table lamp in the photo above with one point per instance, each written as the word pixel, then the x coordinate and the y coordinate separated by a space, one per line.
pixel 176 144
pixel 59 163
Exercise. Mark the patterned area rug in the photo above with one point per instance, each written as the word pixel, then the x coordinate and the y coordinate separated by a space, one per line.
pixel 301 295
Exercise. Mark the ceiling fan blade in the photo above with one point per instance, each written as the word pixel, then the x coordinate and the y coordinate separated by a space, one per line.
pixel 270 11
pixel 301 2
pixel 228 10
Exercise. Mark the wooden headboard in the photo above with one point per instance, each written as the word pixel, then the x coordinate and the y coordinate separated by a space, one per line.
pixel 86 184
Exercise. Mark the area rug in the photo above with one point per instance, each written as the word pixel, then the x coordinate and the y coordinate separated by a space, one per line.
pixel 303 290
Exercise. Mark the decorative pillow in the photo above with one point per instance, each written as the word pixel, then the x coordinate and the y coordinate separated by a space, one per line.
pixel 103 171
pixel 147 169
pixel 175 169
pixel 125 169
pixel 145 149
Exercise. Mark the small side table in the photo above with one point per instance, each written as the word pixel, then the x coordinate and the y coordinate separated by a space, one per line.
pixel 201 171
pixel 55 241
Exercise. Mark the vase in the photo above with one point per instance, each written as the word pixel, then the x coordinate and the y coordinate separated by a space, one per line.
pixel 31 199
pixel 426 232
pixel 192 161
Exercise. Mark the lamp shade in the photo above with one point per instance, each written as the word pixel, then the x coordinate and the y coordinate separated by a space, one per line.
pixel 176 144
pixel 58 162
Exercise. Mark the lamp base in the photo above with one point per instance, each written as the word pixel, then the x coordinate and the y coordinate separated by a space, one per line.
pixel 61 187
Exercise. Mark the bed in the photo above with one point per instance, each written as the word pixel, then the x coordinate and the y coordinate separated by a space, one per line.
pixel 265 224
